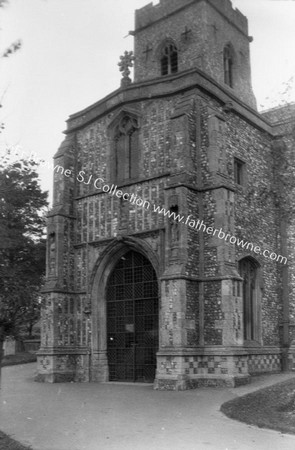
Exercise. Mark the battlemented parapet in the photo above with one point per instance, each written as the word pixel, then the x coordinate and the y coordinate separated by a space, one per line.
pixel 152 13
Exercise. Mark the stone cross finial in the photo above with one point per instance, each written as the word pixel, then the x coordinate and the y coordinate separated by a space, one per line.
pixel 126 62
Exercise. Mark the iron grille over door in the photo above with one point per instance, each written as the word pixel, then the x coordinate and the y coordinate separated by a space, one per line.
pixel 132 319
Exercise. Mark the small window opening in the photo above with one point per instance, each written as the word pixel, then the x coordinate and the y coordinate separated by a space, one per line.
pixel 174 224
pixel 228 65
pixel 169 59
pixel 239 167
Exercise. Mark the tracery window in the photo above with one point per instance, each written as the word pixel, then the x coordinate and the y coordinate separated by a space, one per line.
pixel 228 65
pixel 169 59
pixel 126 149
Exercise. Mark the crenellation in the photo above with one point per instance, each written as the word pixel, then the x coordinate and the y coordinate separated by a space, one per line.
pixel 233 15
pixel 152 13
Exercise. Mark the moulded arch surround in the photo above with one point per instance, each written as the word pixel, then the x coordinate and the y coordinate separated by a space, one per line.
pixel 98 282
pixel 126 111
pixel 250 258
pixel 257 265
pixel 259 286
pixel 230 46
pixel 163 44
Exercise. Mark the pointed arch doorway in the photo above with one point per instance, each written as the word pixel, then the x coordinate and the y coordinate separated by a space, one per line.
pixel 249 271
pixel 132 319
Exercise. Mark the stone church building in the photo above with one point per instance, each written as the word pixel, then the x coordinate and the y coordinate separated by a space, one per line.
pixel 171 237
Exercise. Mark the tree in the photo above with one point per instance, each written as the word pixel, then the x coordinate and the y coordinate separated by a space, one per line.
pixel 9 51
pixel 22 245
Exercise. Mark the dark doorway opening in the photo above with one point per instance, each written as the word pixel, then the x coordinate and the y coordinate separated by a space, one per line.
pixel 132 319
pixel 248 271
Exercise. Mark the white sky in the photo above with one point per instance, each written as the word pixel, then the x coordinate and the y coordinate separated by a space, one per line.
pixel 70 53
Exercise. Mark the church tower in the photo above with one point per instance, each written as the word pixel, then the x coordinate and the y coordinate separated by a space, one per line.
pixel 161 263
pixel 209 35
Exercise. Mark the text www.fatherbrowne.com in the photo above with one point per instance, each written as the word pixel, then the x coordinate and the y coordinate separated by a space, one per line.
pixel 199 225
pixel 189 221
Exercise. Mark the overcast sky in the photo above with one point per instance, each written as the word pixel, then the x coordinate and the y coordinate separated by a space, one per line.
pixel 70 53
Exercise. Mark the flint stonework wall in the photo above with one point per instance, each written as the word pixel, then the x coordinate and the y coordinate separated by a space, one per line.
pixel 283 120
pixel 98 215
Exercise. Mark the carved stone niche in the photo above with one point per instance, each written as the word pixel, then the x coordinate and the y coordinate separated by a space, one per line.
pixel 52 255
pixel 217 158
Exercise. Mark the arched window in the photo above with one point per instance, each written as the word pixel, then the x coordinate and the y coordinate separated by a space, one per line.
pixel 248 269
pixel 126 149
pixel 169 59
pixel 228 65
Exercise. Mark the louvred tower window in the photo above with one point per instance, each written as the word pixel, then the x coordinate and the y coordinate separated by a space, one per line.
pixel 169 59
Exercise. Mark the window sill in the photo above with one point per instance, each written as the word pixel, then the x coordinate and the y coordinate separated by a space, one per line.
pixel 248 343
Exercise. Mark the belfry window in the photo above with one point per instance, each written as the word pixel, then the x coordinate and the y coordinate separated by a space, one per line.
pixel 126 149
pixel 169 59
pixel 228 65
pixel 249 272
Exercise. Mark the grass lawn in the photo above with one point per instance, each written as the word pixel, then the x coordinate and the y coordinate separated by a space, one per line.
pixel 272 407
pixel 19 358
pixel 6 443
